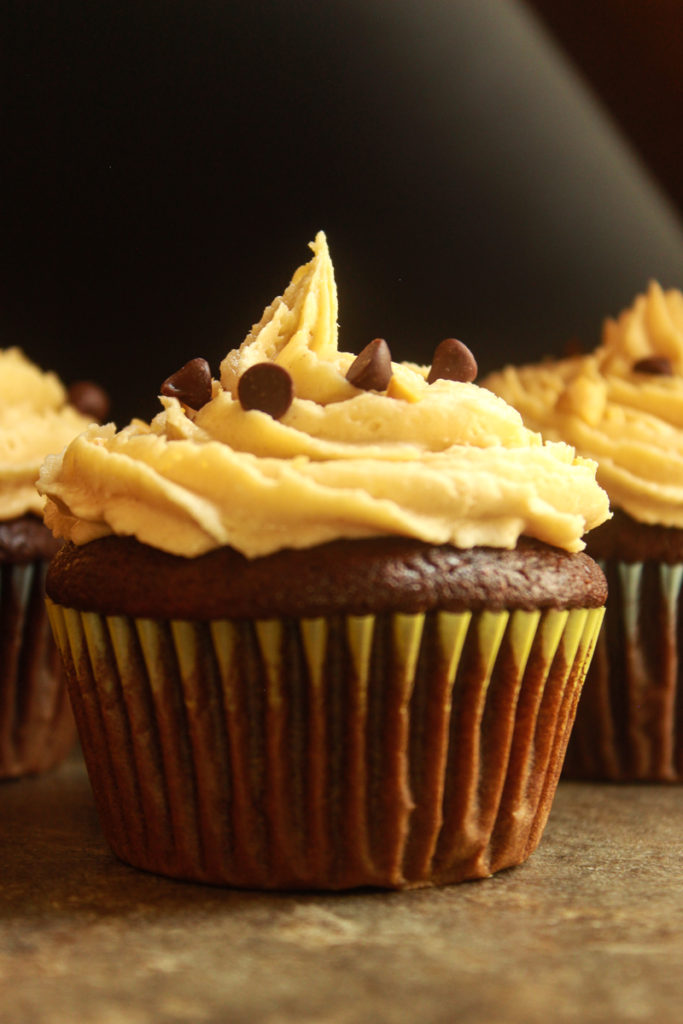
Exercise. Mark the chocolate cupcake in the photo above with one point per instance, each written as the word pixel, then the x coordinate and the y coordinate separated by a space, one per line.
pixel 325 620
pixel 36 724
pixel 622 405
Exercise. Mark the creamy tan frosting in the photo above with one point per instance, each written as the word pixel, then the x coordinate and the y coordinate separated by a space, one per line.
pixel 629 420
pixel 35 419
pixel 446 463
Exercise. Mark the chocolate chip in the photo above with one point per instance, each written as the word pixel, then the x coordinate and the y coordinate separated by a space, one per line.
pixel 658 366
pixel 453 361
pixel 267 387
pixel 90 399
pixel 191 384
pixel 371 369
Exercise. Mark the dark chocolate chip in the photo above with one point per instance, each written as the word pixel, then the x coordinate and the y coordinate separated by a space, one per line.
pixel 191 384
pixel 371 369
pixel 267 387
pixel 90 399
pixel 453 361
pixel 658 366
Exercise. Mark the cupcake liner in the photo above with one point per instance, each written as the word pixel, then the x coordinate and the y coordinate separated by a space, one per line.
pixel 36 725
pixel 387 750
pixel 629 724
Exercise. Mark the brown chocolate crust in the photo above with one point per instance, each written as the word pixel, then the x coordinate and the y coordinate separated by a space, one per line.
pixel 25 539
pixel 119 575
pixel 627 540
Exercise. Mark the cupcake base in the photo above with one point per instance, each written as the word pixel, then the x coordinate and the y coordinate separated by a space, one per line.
pixel 37 728
pixel 629 724
pixel 331 752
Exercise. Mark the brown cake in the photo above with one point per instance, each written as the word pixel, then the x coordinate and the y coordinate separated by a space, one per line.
pixel 118 575
pixel 325 621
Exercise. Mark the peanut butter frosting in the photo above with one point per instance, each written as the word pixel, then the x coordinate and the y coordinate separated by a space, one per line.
pixel 35 419
pixel 443 462
pixel 621 405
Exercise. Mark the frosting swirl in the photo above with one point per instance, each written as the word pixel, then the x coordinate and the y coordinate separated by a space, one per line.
pixel 621 405
pixel 35 419
pixel 446 462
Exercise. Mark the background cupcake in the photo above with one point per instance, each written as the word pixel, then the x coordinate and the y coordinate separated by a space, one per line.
pixel 623 406
pixel 325 620
pixel 36 725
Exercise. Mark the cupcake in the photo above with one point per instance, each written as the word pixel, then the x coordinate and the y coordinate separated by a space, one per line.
pixel 326 618
pixel 36 725
pixel 622 405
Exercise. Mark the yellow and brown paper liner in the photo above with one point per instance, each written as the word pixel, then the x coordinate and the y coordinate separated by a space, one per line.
pixel 36 725
pixel 629 724
pixel 386 750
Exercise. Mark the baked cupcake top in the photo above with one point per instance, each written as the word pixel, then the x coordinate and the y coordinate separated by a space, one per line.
pixel 35 419
pixel 621 405
pixel 299 443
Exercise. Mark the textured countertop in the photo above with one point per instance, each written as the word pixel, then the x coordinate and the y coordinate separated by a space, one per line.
pixel 590 929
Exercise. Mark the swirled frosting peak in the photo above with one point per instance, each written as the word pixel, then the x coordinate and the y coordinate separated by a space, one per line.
pixel 35 419
pixel 621 405
pixel 446 462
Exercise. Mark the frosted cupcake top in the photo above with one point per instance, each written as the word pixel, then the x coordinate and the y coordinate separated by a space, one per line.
pixel 35 419
pixel 299 443
pixel 621 405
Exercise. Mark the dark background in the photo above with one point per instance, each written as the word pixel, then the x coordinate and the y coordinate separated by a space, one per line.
pixel 502 172
pixel 631 53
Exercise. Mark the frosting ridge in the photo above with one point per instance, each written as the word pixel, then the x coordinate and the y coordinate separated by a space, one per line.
pixel 35 418
pixel 621 405
pixel 447 462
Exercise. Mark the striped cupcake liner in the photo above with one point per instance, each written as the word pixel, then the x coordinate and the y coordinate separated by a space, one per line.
pixel 629 724
pixel 388 750
pixel 36 725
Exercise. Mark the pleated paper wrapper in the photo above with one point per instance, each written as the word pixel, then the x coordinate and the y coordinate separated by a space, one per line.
pixel 629 725
pixel 330 753
pixel 36 725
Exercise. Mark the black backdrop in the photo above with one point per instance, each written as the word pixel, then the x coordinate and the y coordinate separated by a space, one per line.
pixel 166 163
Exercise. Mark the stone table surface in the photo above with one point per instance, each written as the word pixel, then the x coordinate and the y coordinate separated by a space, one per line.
pixel 590 929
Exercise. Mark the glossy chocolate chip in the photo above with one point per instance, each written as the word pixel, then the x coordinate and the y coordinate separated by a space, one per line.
pixel 267 387
pixel 658 366
pixel 371 369
pixel 191 384
pixel 90 399
pixel 453 361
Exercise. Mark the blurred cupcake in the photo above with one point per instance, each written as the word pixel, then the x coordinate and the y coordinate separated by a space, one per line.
pixel 36 725
pixel 326 619
pixel 622 405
